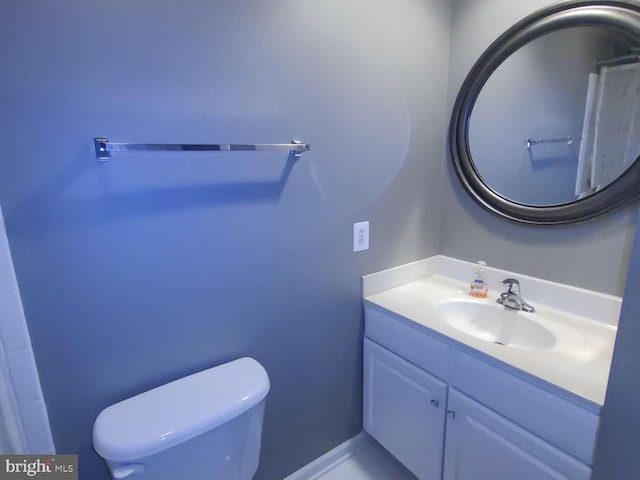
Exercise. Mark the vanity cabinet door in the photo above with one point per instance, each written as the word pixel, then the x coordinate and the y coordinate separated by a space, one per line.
pixel 404 410
pixel 482 445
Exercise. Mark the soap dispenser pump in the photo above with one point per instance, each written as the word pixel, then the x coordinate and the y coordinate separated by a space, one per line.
pixel 479 285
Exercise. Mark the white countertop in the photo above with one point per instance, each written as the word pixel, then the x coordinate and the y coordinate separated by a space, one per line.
pixel 579 362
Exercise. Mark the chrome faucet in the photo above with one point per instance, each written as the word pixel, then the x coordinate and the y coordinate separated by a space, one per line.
pixel 511 297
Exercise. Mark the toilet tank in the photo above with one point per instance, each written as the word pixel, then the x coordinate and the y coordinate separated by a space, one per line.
pixel 202 427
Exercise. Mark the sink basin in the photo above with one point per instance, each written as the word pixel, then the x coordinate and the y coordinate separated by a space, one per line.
pixel 494 323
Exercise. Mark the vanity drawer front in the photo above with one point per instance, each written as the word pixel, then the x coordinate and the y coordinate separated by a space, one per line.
pixel 565 425
pixel 419 348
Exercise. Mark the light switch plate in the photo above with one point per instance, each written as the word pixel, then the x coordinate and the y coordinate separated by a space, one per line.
pixel 360 236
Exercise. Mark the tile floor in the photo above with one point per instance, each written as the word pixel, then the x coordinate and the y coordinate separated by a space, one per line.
pixel 371 463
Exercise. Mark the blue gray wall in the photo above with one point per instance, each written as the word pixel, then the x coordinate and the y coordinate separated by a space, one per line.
pixel 151 267
pixel 619 436
pixel 594 255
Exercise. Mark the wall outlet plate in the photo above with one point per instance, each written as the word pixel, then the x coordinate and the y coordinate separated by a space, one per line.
pixel 360 236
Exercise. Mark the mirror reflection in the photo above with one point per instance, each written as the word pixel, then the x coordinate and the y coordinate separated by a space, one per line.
pixel 559 119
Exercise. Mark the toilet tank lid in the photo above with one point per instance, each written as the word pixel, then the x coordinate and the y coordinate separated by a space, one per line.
pixel 178 411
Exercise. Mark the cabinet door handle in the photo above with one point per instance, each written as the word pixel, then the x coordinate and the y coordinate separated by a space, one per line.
pixel 435 403
pixel 452 414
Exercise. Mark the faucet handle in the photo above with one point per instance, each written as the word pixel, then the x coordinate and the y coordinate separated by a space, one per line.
pixel 512 285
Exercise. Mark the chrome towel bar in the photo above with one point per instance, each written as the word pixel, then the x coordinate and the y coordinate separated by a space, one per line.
pixel 104 148
pixel 531 142
pixel 632 57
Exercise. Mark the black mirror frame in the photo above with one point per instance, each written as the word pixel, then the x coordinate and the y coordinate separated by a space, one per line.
pixel 623 16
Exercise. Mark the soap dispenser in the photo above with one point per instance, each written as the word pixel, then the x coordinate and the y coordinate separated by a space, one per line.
pixel 479 285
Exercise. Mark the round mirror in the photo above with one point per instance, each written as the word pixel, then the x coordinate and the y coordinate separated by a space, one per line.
pixel 546 127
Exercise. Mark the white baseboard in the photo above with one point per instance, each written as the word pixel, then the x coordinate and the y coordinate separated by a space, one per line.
pixel 333 458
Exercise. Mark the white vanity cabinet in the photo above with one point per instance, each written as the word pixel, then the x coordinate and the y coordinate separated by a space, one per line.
pixel 446 414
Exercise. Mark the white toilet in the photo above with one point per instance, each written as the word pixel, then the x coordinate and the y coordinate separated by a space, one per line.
pixel 207 426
